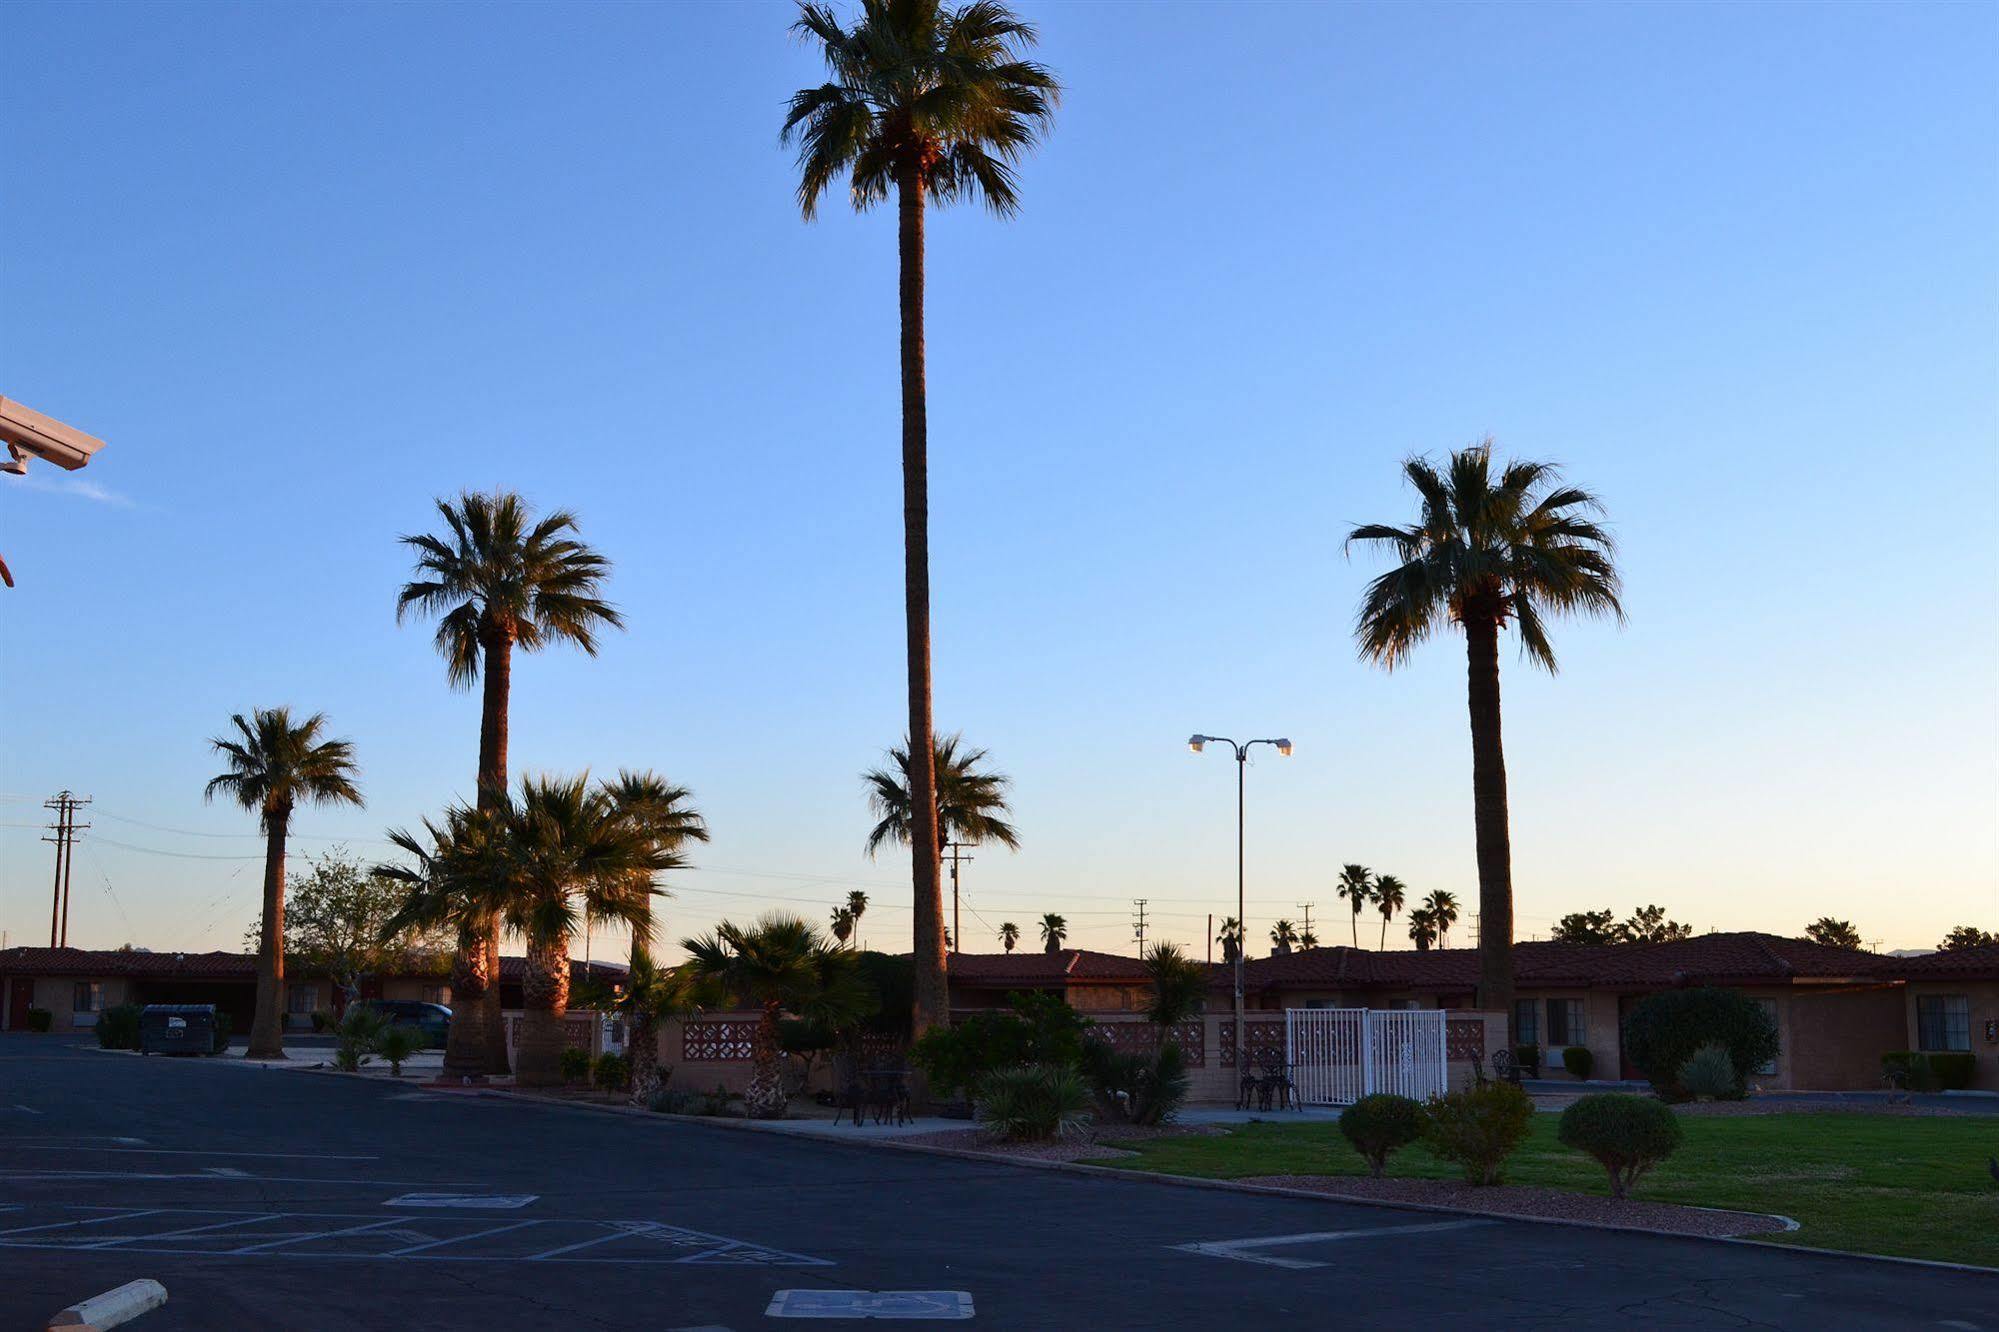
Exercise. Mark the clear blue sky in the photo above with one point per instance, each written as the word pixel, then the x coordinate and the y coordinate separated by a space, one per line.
pixel 305 267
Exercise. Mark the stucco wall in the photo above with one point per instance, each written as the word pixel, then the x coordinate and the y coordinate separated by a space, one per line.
pixel 1983 1002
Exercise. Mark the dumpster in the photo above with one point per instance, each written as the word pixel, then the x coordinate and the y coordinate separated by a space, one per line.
pixel 177 1029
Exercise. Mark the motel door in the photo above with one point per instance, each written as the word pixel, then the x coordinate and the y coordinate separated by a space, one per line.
pixel 20 998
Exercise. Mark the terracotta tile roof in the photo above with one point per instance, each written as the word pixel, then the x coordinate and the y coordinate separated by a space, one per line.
pixel 1069 965
pixel 1980 963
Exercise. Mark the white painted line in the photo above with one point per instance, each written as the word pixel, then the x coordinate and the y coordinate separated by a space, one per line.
pixel 228 1172
pixel 26 1109
pixel 454 1239
pixel 1239 1249
pixel 113 1307
pixel 493 1202
pixel 189 1151
pixel 329 1180
pixel 315 1235
pixel 89 1221
pixel 604 1238
pixel 191 1230
pixel 939 1305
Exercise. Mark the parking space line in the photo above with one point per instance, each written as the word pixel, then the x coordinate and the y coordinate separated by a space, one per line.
pixel 477 1234
pixel 1240 1249
pixel 91 1221
pixel 191 1230
pixel 316 1235
pixel 605 1238
pixel 182 1151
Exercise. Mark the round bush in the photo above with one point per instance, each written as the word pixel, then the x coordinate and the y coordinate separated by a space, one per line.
pixel 118 1027
pixel 1580 1060
pixel 1663 1030
pixel 1478 1127
pixel 1377 1125
pixel 1627 1135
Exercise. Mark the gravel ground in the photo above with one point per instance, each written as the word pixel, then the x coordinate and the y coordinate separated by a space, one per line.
pixel 978 1140
pixel 1519 1200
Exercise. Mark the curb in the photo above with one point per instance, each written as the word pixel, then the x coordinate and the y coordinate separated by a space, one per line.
pixel 1236 1186
pixel 110 1309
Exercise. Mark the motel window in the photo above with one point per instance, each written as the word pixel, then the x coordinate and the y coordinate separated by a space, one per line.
pixel 302 1000
pixel 1565 1022
pixel 1943 1022
pixel 89 997
pixel 1526 1022
pixel 1769 1007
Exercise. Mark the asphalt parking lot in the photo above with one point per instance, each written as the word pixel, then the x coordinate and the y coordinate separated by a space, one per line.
pixel 290 1200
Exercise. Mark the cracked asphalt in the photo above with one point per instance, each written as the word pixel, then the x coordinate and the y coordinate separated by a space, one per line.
pixel 264 1199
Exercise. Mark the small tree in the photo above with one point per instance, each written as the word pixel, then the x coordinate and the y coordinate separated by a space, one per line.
pixel 1967 936
pixel 1648 924
pixel 1479 1127
pixel 1628 1135
pixel 1379 1124
pixel 1833 933
pixel 1586 927
pixel 342 920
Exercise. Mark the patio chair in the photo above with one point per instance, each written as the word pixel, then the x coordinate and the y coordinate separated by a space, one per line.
pixel 887 1094
pixel 1275 1085
pixel 850 1090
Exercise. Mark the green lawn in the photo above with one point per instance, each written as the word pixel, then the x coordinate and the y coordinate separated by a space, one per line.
pixel 1912 1187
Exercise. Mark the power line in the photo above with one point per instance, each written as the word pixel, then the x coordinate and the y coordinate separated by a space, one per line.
pixel 65 804
pixel 1138 924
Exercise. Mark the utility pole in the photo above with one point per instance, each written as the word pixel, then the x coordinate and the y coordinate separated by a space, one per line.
pixel 65 828
pixel 1306 907
pixel 1211 938
pixel 957 927
pixel 1138 923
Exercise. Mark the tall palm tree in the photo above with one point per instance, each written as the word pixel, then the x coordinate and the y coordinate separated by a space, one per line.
pixel 497 579
pixel 651 995
pixel 971 799
pixel 857 902
pixel 275 764
pixel 842 924
pixel 1230 938
pixel 938 104
pixel 1422 928
pixel 1009 935
pixel 1389 893
pixel 663 815
pixel 1356 885
pixel 1054 929
pixel 1282 936
pixel 569 851
pixel 454 882
pixel 1442 904
pixel 779 965
pixel 1487 550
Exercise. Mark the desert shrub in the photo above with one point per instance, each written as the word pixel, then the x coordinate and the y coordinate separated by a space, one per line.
pixel 1033 1103
pixel 675 1101
pixel 224 1029
pixel 575 1064
pixel 1035 1028
pixel 1379 1124
pixel 1528 1057
pixel 1136 1087
pixel 1924 1071
pixel 1478 1127
pixel 612 1072
pixel 118 1027
pixel 1580 1060
pixel 40 1019
pixel 1663 1030
pixel 1709 1072
pixel 396 1044
pixel 322 1021
pixel 716 1102
pixel 1627 1135
pixel 356 1037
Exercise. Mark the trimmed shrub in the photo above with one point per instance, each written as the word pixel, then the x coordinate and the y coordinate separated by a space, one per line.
pixel 396 1044
pixel 1528 1058
pixel 1036 1028
pixel 716 1103
pixel 1931 1071
pixel 118 1027
pixel 1627 1135
pixel 612 1072
pixel 224 1029
pixel 1580 1060
pixel 1379 1124
pixel 1135 1087
pixel 675 1101
pixel 575 1064
pixel 1034 1103
pixel 1478 1127
pixel 355 1037
pixel 1663 1030
pixel 1709 1072
pixel 40 1019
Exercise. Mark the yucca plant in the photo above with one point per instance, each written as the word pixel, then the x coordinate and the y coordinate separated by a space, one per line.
pixel 1034 1103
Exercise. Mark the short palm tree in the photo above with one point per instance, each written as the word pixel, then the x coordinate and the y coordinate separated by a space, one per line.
pixel 781 965
pixel 842 924
pixel 1009 935
pixel 1054 929
pixel 1308 938
pixel 274 765
pixel 1179 987
pixel 499 579
pixel 1488 550
pixel 1389 894
pixel 569 852
pixel 1356 885
pixel 662 814
pixel 1283 935
pixel 857 903
pixel 1442 904
pixel 454 882
pixel 1422 929
pixel 1230 938
pixel 937 104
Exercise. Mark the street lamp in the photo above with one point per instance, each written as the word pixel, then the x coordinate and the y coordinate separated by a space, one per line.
pixel 1197 743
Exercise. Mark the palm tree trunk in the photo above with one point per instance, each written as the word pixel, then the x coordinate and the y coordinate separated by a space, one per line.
pixel 932 992
pixel 544 1002
pixel 267 1027
pixel 764 1098
pixel 498 649
pixel 642 1049
pixel 465 1043
pixel 1383 946
pixel 1495 854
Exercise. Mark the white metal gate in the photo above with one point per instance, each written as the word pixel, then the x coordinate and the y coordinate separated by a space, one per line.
pixel 1338 1055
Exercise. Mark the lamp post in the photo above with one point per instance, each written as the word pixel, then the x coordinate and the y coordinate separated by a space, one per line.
pixel 1283 747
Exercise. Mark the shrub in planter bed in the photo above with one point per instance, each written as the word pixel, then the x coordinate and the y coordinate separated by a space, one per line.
pixel 1924 1071
pixel 676 1101
pixel 40 1019
pixel 1663 1031
pixel 1528 1059
pixel 575 1064
pixel 1034 1103
pixel 118 1027
pixel 1579 1060
pixel 395 1044
pixel 611 1072
pixel 224 1029
pixel 1627 1135
pixel 1136 1087
pixel 1478 1127
pixel 1710 1072
pixel 1379 1124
